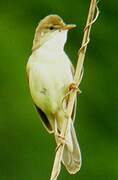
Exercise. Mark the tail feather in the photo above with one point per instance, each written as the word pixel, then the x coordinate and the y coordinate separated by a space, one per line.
pixel 72 159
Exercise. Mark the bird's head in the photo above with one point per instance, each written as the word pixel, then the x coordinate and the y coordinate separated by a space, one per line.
pixel 52 30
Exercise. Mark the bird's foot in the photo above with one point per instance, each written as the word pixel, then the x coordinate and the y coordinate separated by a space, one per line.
pixel 73 87
pixel 60 142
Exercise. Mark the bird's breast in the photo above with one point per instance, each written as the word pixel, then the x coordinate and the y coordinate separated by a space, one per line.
pixel 49 80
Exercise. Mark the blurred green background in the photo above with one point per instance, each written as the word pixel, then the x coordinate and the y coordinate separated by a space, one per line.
pixel 26 149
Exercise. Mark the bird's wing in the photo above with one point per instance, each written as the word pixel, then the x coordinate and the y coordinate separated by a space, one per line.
pixel 44 120
pixel 43 117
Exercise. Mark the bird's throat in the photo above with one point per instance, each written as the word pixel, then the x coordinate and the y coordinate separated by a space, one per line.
pixel 56 41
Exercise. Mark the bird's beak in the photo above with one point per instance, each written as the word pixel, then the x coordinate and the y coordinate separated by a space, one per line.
pixel 69 26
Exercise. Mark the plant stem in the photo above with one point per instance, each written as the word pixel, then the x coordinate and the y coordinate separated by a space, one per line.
pixel 72 96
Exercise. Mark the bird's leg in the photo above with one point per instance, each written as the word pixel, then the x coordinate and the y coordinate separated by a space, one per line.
pixel 72 88
pixel 55 129
pixel 60 139
pixel 64 140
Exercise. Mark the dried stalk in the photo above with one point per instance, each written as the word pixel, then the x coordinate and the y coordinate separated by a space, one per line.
pixel 81 56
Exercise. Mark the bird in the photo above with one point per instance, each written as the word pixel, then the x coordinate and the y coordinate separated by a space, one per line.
pixel 50 74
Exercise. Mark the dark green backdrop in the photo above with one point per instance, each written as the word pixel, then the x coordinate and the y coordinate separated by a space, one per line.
pixel 26 149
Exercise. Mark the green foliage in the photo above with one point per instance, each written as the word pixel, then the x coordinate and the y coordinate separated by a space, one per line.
pixel 26 149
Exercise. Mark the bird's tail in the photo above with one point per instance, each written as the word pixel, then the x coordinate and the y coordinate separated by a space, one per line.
pixel 71 154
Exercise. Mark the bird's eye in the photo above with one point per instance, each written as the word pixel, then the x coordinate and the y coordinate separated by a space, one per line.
pixel 51 27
